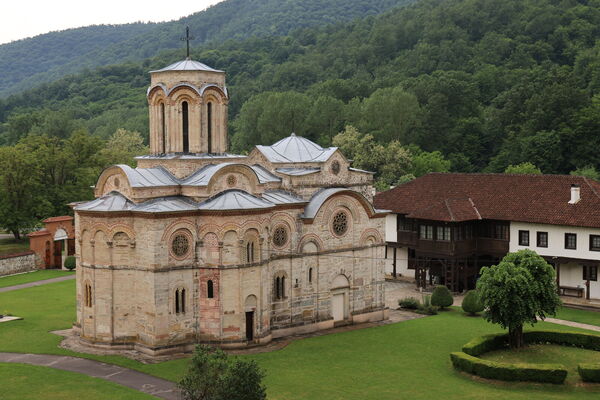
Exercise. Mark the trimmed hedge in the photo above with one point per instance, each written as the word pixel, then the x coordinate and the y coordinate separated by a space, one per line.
pixel 589 372
pixel 543 373
pixel 468 361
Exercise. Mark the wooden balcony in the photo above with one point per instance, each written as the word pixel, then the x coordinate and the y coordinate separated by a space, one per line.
pixel 492 246
pixel 465 247
pixel 407 238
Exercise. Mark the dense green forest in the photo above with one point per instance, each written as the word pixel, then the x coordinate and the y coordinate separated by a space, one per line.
pixel 462 85
pixel 44 58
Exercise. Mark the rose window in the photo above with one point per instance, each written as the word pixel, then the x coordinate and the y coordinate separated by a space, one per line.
pixel 280 236
pixel 340 223
pixel 335 167
pixel 180 245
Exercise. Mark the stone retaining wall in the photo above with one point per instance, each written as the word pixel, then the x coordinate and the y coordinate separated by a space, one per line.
pixel 18 262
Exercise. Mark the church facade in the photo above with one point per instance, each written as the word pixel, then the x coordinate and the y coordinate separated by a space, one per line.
pixel 197 245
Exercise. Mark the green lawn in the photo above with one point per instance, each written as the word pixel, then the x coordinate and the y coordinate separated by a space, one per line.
pixel 576 315
pixel 9 246
pixel 32 277
pixel 570 357
pixel 408 360
pixel 28 382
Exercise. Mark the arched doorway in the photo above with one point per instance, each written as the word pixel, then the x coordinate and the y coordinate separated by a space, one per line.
pixel 250 309
pixel 340 288
pixel 60 247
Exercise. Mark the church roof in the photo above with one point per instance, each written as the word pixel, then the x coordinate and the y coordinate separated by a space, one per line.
pixel 187 65
pixel 234 199
pixel 113 201
pixel 203 176
pixel 282 197
pixel 297 171
pixel 148 177
pixel 293 149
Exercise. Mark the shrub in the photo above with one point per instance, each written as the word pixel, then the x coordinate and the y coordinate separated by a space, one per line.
pixel 410 303
pixel 427 308
pixel 485 343
pixel 544 373
pixel 471 303
pixel 70 263
pixel 589 372
pixel 578 339
pixel 441 297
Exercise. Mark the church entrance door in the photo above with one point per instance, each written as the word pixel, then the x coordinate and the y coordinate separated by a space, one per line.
pixel 337 305
pixel 249 325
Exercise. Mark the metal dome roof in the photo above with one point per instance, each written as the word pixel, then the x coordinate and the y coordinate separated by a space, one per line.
pixel 187 65
pixel 294 149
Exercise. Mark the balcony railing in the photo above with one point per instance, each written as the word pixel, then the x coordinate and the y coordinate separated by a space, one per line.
pixel 459 247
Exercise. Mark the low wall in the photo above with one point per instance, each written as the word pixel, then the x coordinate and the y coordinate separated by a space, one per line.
pixel 19 262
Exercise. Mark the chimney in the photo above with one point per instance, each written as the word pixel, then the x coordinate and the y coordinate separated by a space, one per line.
pixel 575 194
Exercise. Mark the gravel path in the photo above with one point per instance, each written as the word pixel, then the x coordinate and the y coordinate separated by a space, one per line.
pixel 145 383
pixel 37 283
pixel 573 324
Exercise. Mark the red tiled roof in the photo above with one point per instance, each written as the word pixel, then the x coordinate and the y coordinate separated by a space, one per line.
pixel 540 199
pixel 41 232
pixel 58 219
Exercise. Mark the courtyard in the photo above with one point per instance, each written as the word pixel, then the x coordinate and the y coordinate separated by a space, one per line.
pixel 406 360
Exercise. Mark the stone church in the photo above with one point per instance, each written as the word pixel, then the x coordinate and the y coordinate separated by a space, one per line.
pixel 197 245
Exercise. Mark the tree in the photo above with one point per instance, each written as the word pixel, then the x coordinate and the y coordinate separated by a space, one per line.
pixel 213 376
pixel 519 290
pixel 424 162
pixel 523 168
pixel 22 202
pixel 441 297
pixel 471 303
pixel 588 171
pixel 122 148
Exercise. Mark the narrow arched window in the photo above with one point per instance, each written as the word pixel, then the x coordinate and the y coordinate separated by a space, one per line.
pixel 310 275
pixel 163 132
pixel 179 301
pixel 209 124
pixel 185 126
pixel 277 288
pixel 88 295
pixel 209 290
pixel 283 287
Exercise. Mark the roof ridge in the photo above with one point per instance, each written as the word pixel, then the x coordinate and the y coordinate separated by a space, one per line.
pixel 586 180
pixel 475 208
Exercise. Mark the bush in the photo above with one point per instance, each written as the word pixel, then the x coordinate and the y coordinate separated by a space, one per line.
pixel 427 308
pixel 471 303
pixel 544 373
pixel 578 339
pixel 485 343
pixel 589 372
pixel 70 263
pixel 409 303
pixel 441 297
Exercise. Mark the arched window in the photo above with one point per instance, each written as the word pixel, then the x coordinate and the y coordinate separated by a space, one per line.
pixel 209 124
pixel 88 295
pixel 209 290
pixel 179 301
pixel 279 289
pixel 250 252
pixel 186 127
pixel 310 275
pixel 163 128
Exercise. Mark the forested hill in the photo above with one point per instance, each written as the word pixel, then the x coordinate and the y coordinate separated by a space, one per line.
pixel 44 58
pixel 487 83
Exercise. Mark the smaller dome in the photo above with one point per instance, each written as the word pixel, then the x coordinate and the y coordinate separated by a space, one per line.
pixel 296 149
pixel 187 65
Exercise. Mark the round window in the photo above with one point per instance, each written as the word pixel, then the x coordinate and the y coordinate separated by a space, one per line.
pixel 280 236
pixel 180 245
pixel 335 167
pixel 340 223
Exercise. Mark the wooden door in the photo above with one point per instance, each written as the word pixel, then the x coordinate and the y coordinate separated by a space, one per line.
pixel 337 307
pixel 57 254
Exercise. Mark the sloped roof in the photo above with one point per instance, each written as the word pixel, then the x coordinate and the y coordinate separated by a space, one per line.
pixel 297 171
pixel 542 199
pixel 234 200
pixel 187 65
pixel 203 176
pixel 293 149
pixel 113 201
pixel 148 177
pixel 282 197
pixel 319 198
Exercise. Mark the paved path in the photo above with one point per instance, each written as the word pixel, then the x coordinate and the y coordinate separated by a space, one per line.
pixel 37 283
pixel 573 324
pixel 149 384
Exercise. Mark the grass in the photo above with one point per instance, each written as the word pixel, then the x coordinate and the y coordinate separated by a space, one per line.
pixel 19 279
pixel 10 245
pixel 28 382
pixel 408 360
pixel 577 315
pixel 570 357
